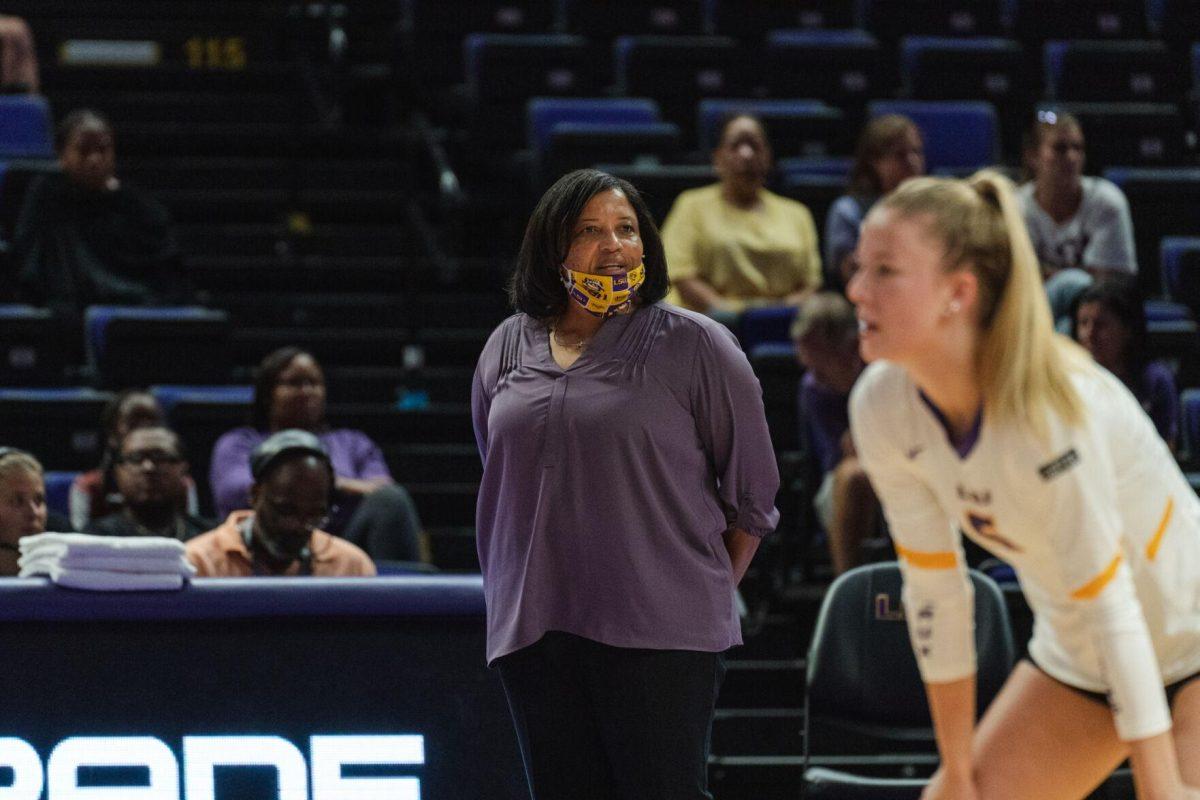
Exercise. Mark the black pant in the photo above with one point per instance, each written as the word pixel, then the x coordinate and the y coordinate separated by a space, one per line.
pixel 596 722
pixel 385 524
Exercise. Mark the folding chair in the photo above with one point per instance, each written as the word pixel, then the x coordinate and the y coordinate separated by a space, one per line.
pixel 863 688
pixel 958 135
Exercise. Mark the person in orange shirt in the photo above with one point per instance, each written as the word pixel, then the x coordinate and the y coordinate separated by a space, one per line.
pixel 281 533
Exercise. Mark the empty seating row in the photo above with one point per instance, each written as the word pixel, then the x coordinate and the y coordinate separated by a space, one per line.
pixel 1029 19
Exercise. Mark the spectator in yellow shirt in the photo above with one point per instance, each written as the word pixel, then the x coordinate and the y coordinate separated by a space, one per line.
pixel 735 243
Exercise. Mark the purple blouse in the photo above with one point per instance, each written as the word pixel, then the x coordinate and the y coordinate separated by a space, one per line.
pixel 353 453
pixel 607 486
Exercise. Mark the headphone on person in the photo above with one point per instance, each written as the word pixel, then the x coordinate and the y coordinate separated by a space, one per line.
pixel 267 454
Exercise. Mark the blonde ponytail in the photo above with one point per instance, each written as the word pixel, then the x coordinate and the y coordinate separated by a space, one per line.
pixel 1021 364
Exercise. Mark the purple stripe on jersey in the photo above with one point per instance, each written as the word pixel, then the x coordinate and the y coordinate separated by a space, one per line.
pixel 966 444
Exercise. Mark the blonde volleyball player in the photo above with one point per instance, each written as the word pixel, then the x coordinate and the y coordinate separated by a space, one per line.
pixel 976 419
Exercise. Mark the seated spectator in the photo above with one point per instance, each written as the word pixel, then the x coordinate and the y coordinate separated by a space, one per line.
pixel 95 494
pixel 826 337
pixel 734 243
pixel 1080 225
pixel 22 504
pixel 371 510
pixel 84 237
pixel 152 477
pixel 1110 322
pixel 281 534
pixel 18 57
pixel 889 151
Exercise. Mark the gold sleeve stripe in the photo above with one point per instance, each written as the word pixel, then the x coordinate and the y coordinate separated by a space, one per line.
pixel 943 560
pixel 1096 585
pixel 1156 540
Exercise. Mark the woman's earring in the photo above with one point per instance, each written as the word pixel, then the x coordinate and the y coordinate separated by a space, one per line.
pixel 951 308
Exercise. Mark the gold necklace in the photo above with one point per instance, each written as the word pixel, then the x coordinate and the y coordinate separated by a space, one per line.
pixel 576 346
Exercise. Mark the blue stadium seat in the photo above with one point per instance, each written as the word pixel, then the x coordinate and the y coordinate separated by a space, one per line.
pixel 1129 134
pixel 25 127
pixel 171 395
pixel 1163 202
pixel 936 68
pixel 1165 311
pixel 660 184
pixel 752 19
pixel 620 17
pixel 58 490
pixel 891 19
pixel 1038 20
pixel 842 66
pixel 827 166
pixel 1100 71
pixel 544 114
pixel 958 135
pixel 133 346
pixel 66 435
pixel 569 133
pixel 765 324
pixel 1179 261
pixel 511 67
pixel 35 347
pixel 795 127
pixel 678 71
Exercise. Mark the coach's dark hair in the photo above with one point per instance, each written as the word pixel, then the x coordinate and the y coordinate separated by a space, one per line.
pixel 536 286
pixel 265 378
pixel 76 120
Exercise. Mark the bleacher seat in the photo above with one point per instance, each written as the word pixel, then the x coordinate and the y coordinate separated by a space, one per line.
pixel 840 66
pixel 35 347
pixel 568 133
pixel 795 127
pixel 660 184
pixel 958 135
pixel 1128 134
pixel 1111 71
pixel 863 689
pixel 752 19
pixel 58 490
pixel 1038 20
pixel 891 19
pixel 59 426
pixel 678 71
pixel 133 346
pixel 620 17
pixel 25 127
pixel 1179 261
pixel 1163 202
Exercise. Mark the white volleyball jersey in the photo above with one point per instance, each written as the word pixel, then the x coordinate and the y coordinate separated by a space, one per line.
pixel 1102 529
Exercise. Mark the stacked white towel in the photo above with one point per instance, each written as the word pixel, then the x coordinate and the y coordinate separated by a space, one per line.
pixel 106 563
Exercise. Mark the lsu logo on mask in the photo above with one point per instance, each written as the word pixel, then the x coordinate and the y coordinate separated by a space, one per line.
pixel 603 295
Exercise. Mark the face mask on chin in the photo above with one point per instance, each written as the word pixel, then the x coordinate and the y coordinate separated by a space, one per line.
pixel 603 295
